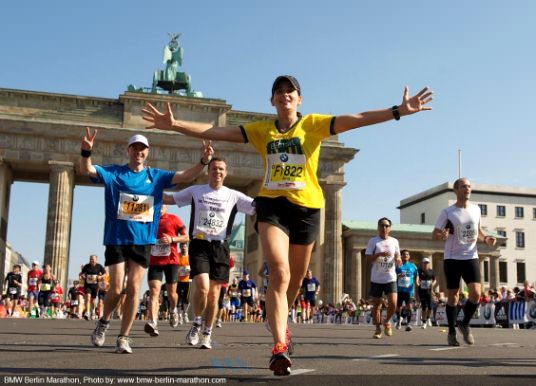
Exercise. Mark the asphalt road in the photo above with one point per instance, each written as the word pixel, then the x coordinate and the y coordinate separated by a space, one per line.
pixel 325 354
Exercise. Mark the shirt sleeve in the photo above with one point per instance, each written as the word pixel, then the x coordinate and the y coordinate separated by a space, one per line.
pixel 245 204
pixel 183 197
pixel 441 220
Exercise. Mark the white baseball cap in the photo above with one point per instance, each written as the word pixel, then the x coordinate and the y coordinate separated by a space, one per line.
pixel 138 138
pixel 426 260
pixel 35 262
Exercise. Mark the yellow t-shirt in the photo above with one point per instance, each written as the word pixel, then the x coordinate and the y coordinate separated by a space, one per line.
pixel 290 159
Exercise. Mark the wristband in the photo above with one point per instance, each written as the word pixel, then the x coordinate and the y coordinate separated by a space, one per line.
pixel 202 163
pixel 396 112
pixel 85 153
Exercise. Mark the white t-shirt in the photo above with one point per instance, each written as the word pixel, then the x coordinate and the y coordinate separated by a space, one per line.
pixel 463 235
pixel 383 268
pixel 213 210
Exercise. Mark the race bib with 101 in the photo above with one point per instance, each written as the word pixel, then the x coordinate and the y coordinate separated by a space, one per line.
pixel 466 233
pixel 134 207
pixel 285 171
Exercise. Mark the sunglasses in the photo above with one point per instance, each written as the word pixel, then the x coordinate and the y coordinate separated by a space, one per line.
pixel 384 226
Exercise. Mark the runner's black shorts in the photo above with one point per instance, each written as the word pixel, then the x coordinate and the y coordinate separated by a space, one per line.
pixel 468 270
pixel 210 257
pixel 425 297
pixel 115 254
pixel 378 289
pixel 301 224
pixel 403 297
pixel 157 272
pixel 92 289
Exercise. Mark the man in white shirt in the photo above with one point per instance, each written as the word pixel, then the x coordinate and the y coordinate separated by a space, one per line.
pixel 383 252
pixel 459 226
pixel 214 207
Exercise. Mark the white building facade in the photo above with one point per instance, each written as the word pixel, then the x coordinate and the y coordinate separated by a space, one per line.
pixel 506 210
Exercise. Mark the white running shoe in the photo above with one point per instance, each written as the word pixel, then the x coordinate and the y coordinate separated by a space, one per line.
pixel 122 345
pixel 424 325
pixel 192 338
pixel 399 324
pixel 151 328
pixel 218 323
pixel 174 319
pixel 185 318
pixel 98 335
pixel 180 319
pixel 205 342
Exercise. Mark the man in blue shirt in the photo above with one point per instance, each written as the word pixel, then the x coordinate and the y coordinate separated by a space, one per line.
pixel 310 289
pixel 133 197
pixel 405 286
pixel 248 294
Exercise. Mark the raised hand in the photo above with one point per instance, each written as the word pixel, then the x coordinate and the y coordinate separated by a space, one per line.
pixel 208 151
pixel 157 119
pixel 416 103
pixel 89 137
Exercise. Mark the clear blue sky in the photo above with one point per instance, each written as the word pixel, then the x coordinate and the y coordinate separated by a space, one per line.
pixel 349 56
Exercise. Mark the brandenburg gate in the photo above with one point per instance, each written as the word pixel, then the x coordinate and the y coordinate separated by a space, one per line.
pixel 40 135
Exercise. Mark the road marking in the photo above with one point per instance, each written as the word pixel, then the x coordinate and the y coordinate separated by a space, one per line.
pixel 504 344
pixel 386 356
pixel 301 371
pixel 445 348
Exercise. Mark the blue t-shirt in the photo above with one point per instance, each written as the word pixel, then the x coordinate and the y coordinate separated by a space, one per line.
pixel 132 203
pixel 406 282
pixel 310 286
pixel 246 288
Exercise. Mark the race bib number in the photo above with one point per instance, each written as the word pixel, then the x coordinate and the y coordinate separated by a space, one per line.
pixel 385 264
pixel 285 171
pixel 54 296
pixel 466 233
pixel 210 222
pixel 13 290
pixel 246 293
pixel 404 281
pixel 184 270
pixel 133 207
pixel 92 279
pixel 234 294
pixel 426 284
pixel 45 286
pixel 161 249
pixel 311 287
pixel 32 281
pixel 74 302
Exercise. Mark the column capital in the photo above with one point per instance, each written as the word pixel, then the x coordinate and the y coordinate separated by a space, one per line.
pixel 58 165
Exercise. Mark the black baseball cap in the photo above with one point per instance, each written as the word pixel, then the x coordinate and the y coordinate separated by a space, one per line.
pixel 289 78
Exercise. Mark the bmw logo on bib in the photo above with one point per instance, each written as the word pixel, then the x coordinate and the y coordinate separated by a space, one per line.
pixel 135 198
pixel 283 157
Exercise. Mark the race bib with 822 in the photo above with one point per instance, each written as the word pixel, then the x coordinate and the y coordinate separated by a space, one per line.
pixel 285 171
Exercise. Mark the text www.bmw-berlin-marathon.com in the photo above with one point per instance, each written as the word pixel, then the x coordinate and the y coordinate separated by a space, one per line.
pixel 107 380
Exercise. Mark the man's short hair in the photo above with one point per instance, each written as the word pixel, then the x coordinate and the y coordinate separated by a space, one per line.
pixel 386 219
pixel 214 159
pixel 457 182
pixel 404 251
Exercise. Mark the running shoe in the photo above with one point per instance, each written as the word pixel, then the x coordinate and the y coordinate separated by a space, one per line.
pixel 280 361
pixel 205 341
pixel 98 335
pixel 408 328
pixel 122 345
pixel 151 328
pixel 180 319
pixel 429 322
pixel 288 341
pixel 378 333
pixel 467 335
pixel 185 318
pixel 192 338
pixel 399 324
pixel 451 339
pixel 388 329
pixel 174 319
pixel 86 316
pixel 218 323
pixel 424 325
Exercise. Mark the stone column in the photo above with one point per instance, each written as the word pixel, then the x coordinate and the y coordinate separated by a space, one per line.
pixel 60 205
pixel 6 179
pixel 333 260
pixel 481 266
pixel 494 272
pixel 439 273
pixel 354 276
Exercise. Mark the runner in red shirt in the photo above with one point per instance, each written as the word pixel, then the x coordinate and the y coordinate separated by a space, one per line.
pixel 33 289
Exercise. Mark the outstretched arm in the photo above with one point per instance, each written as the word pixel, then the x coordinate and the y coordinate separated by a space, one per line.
pixel 410 105
pixel 166 121
pixel 86 166
pixel 190 174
